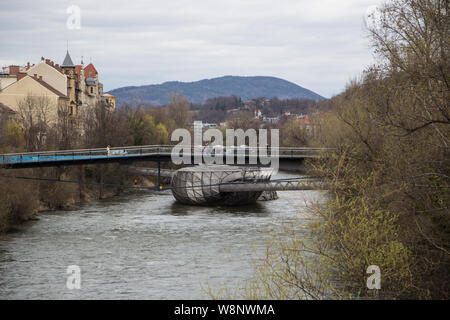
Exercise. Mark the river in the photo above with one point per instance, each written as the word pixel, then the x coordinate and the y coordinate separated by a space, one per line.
pixel 142 246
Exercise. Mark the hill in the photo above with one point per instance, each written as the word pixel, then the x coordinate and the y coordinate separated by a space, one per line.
pixel 198 91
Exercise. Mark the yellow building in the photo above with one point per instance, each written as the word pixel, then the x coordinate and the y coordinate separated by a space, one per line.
pixel 110 100
pixel 6 80
pixel 16 93
pixel 68 87
pixel 6 113
pixel 50 73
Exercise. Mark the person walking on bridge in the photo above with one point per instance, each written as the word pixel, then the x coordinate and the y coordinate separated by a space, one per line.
pixel 108 150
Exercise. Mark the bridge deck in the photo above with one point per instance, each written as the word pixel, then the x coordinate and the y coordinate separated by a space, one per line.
pixel 143 153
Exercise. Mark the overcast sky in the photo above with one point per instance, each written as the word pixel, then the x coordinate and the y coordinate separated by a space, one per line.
pixel 317 44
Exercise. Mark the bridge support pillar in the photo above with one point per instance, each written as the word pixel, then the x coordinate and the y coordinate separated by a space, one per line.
pixel 159 174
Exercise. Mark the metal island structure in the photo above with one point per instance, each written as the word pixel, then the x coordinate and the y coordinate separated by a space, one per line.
pixel 204 184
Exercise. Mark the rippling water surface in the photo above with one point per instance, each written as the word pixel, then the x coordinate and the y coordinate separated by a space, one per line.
pixel 141 246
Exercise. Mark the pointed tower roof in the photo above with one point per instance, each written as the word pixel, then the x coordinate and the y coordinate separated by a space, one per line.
pixel 67 61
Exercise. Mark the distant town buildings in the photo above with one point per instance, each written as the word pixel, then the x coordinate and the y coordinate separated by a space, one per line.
pixel 67 87
pixel 200 126
pixel 272 120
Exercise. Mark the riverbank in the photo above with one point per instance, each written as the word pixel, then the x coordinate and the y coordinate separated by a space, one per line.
pixel 24 200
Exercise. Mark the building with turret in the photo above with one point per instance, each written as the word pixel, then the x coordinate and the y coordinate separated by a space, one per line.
pixel 68 86
pixel 68 69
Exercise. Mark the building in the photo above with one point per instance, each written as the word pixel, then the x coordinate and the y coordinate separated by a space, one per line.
pixel 51 73
pixel 6 113
pixel 6 79
pixel 34 86
pixel 303 119
pixel 91 89
pixel 84 88
pixel 67 86
pixel 68 69
pixel 272 120
pixel 109 100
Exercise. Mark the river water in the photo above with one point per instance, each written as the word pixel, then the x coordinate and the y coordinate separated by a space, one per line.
pixel 142 246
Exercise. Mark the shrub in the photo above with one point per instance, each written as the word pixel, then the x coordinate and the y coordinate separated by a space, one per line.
pixel 18 202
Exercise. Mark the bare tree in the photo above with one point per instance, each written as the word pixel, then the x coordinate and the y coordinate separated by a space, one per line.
pixel 243 119
pixel 35 117
pixel 102 126
pixel 413 38
pixel 178 110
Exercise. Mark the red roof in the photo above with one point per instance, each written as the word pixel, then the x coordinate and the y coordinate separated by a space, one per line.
pixel 78 71
pixel 90 69
pixel 304 120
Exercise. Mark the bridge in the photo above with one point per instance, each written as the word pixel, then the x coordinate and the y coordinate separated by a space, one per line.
pixel 156 153
pixel 161 153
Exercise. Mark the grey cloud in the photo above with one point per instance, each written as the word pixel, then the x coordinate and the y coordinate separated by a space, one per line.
pixel 318 45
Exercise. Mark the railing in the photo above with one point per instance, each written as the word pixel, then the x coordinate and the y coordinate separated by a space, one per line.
pixel 273 186
pixel 80 154
pixel 138 151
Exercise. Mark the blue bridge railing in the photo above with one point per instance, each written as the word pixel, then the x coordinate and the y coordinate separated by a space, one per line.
pixel 142 151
